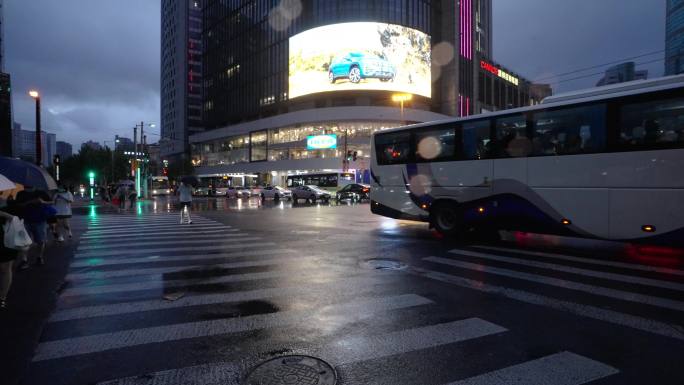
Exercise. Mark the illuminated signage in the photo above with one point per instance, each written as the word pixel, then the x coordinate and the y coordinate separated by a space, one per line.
pixel 321 142
pixel 360 56
pixel 499 72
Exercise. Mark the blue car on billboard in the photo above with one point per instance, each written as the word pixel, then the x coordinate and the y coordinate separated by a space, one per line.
pixel 355 66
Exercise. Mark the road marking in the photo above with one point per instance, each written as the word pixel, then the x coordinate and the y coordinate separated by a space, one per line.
pixel 178 240
pixel 105 240
pixel 345 285
pixel 170 221
pixel 176 230
pixel 345 351
pixel 348 312
pixel 563 368
pixel 574 270
pixel 350 350
pixel 164 284
pixel 224 245
pixel 176 269
pixel 157 227
pixel 189 232
pixel 565 284
pixel 633 266
pixel 210 374
pixel 635 322
pixel 95 262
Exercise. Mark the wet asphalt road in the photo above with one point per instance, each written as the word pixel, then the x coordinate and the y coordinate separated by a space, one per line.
pixel 382 301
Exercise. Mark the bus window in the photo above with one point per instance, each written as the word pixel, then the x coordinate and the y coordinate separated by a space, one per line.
pixel 477 140
pixel 393 148
pixel 512 139
pixel 435 145
pixel 570 131
pixel 652 123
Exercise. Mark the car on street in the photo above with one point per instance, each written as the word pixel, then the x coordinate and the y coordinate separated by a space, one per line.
pixel 356 66
pixel 202 191
pixel 310 193
pixel 276 193
pixel 354 192
pixel 238 192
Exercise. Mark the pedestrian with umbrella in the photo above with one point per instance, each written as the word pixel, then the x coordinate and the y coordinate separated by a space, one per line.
pixel 7 255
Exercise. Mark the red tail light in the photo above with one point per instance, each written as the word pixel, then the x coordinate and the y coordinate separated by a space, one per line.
pixel 366 190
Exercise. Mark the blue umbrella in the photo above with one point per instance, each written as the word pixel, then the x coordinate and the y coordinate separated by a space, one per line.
pixel 27 174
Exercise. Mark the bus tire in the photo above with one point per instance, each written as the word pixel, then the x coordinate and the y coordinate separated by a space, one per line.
pixel 447 219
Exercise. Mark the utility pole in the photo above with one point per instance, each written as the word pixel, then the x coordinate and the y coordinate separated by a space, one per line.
pixel 135 150
pixel 345 162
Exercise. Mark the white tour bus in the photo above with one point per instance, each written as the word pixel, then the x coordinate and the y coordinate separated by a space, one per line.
pixel 159 185
pixel 606 164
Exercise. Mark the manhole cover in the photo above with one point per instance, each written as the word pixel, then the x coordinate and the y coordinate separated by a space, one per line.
pixel 292 370
pixel 384 264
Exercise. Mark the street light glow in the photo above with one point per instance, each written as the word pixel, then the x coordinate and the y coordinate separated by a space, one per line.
pixel 34 94
pixel 401 97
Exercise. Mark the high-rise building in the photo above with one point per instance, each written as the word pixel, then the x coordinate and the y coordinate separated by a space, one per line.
pixel 2 37
pixel 674 38
pixel 181 75
pixel 124 144
pixel 91 145
pixel 24 145
pixel 289 89
pixel 5 114
pixel 624 72
pixel 64 150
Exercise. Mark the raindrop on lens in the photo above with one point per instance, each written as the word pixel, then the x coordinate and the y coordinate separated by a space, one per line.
pixel 429 147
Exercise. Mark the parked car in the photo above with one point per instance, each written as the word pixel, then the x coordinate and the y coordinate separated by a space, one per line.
pixel 356 66
pixel 238 192
pixel 255 191
pixel 276 193
pixel 202 191
pixel 310 193
pixel 354 191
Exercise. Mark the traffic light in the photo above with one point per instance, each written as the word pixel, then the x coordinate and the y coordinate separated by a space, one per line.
pixel 354 155
pixel 349 155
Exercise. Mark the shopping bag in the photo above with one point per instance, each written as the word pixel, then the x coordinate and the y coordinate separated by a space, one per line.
pixel 115 201
pixel 15 235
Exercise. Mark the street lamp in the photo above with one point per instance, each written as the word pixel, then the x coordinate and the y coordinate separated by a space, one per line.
pixel 401 98
pixel 39 151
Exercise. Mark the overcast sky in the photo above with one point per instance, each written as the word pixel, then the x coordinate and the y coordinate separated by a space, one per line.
pixel 96 62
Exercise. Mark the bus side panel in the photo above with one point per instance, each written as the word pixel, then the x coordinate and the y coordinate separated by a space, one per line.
pixel 588 210
pixel 513 168
pixel 630 209
pixel 646 169
pixel 390 197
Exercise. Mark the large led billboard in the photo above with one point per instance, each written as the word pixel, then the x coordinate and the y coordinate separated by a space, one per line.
pixel 360 56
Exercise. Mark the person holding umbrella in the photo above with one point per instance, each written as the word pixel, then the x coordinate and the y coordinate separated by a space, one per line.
pixel 7 255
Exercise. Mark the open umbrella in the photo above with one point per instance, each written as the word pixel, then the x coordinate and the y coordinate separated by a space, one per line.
pixel 28 174
pixel 6 184
pixel 191 180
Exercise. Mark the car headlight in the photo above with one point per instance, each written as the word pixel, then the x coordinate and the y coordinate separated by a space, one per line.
pixel 154 191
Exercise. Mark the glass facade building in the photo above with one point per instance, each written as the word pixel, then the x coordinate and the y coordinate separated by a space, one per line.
pixel 674 38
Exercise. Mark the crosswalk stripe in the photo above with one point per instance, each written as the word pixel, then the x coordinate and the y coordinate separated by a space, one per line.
pixel 345 351
pixel 574 270
pixel 624 265
pixel 106 240
pixel 172 224
pixel 345 284
pixel 209 374
pixel 350 350
pixel 216 247
pixel 185 229
pixel 588 311
pixel 174 269
pixel 563 368
pixel 565 284
pixel 174 219
pixel 95 262
pixel 178 240
pixel 349 312
pixel 173 283
pixel 167 233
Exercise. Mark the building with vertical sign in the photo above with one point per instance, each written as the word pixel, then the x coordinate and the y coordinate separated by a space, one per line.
pixel 5 115
pixel 332 70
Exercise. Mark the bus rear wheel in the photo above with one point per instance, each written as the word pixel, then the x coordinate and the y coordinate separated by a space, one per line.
pixel 447 219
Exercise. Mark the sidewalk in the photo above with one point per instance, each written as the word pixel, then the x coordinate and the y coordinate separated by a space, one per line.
pixel 31 299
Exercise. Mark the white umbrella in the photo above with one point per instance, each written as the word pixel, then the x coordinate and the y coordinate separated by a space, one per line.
pixel 6 184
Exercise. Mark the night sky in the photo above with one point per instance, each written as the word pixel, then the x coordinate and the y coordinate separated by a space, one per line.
pixel 96 62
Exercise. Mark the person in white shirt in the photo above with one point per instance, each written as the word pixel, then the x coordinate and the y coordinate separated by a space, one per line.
pixel 185 192
pixel 63 200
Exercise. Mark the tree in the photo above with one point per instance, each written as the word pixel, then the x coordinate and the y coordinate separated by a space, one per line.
pixel 75 169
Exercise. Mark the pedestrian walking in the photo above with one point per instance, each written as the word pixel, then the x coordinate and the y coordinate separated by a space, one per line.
pixel 132 197
pixel 63 200
pixel 185 192
pixel 35 208
pixel 7 257
pixel 121 193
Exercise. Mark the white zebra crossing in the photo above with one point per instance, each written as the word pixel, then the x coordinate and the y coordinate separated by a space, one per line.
pixel 184 240
pixel 349 312
pixel 563 368
pixel 215 247
pixel 565 284
pixel 85 238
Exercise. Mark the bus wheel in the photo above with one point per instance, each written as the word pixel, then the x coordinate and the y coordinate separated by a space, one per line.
pixel 447 220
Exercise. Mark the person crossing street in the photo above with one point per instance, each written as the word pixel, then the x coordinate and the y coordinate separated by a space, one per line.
pixel 185 193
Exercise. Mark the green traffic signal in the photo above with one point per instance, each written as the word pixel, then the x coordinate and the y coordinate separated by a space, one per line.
pixel 91 174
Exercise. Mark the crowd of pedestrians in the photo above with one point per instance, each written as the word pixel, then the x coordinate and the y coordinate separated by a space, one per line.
pixel 39 211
